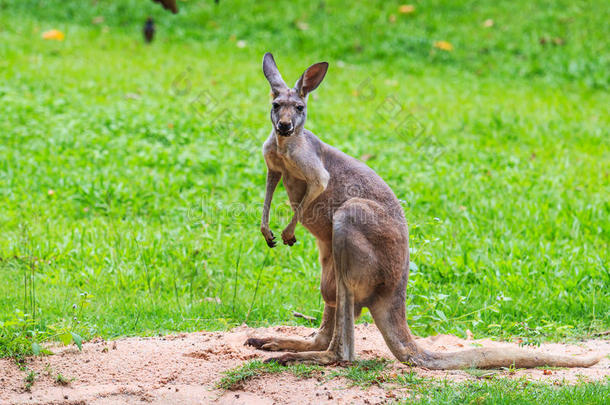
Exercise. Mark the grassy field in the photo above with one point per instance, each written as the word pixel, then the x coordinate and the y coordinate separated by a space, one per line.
pixel 131 178
pixel 366 373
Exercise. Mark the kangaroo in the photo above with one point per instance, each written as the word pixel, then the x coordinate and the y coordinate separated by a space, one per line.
pixel 362 238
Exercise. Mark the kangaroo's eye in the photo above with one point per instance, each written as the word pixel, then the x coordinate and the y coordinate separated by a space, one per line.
pixel 300 108
pixel 276 106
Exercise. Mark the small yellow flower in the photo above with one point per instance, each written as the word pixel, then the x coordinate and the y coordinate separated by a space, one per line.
pixel 443 46
pixel 54 35
pixel 406 9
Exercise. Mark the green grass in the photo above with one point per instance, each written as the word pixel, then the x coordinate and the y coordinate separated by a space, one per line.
pixel 362 373
pixel 235 378
pixel 502 391
pixel 410 388
pixel 133 174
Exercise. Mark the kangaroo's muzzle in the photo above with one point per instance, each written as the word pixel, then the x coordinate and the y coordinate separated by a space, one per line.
pixel 284 128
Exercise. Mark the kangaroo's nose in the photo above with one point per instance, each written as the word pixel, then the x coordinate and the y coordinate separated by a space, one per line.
pixel 285 126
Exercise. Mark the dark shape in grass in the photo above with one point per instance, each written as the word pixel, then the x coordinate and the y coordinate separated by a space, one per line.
pixel 168 5
pixel 149 30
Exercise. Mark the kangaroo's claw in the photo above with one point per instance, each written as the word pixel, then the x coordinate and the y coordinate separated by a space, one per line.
pixel 256 342
pixel 290 241
pixel 281 360
pixel 271 242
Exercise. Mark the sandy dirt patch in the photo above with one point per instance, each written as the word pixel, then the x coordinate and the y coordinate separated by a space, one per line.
pixel 185 368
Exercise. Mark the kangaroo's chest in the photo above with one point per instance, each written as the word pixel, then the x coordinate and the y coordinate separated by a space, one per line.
pixel 317 218
pixel 295 188
pixel 292 178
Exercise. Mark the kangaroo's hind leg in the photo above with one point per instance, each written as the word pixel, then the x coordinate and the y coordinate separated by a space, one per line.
pixel 388 312
pixel 354 264
pixel 323 336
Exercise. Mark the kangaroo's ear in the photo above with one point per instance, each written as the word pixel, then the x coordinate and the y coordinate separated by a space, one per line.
pixel 311 79
pixel 273 74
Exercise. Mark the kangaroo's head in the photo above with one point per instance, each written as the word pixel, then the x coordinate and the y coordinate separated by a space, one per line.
pixel 289 105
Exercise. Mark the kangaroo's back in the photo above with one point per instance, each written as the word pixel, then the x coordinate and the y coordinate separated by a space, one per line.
pixel 349 178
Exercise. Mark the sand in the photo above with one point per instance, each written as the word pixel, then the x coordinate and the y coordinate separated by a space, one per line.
pixel 185 368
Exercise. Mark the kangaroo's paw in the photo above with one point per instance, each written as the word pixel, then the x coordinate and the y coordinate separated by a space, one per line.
pixel 269 237
pixel 288 237
pixel 290 241
pixel 271 242
pixel 320 358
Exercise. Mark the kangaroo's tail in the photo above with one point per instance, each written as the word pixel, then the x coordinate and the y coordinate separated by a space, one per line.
pixel 390 320
pixel 497 357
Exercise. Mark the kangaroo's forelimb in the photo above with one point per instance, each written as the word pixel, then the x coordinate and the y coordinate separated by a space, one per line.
pixel 273 177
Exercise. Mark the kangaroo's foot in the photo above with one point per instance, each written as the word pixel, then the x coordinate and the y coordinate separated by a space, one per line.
pixel 320 358
pixel 272 344
pixel 259 343
pixel 319 342
pixel 277 344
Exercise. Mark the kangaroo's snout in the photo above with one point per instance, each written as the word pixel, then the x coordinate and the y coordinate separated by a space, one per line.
pixel 284 128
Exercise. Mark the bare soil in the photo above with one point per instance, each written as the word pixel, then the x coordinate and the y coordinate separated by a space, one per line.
pixel 185 368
